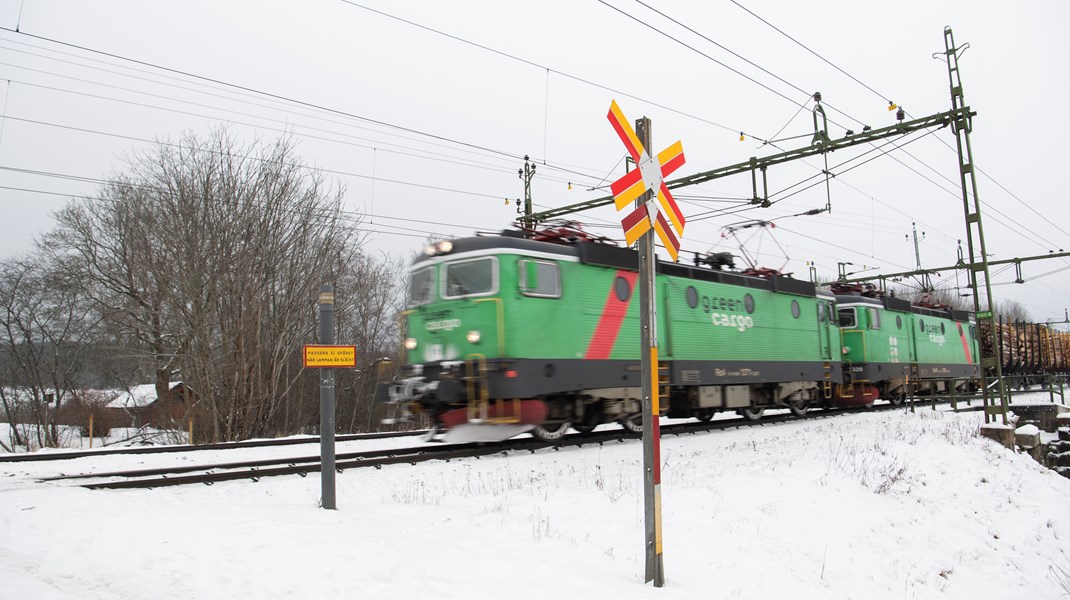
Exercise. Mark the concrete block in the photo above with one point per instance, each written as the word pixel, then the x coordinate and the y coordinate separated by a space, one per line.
pixel 1027 437
pixel 1002 434
pixel 1044 416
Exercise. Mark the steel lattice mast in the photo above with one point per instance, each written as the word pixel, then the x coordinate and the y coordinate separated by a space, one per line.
pixel 975 240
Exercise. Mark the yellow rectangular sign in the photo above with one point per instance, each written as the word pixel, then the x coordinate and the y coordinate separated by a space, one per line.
pixel 330 356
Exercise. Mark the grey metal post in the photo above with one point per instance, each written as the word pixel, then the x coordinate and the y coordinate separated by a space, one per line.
pixel 655 569
pixel 326 317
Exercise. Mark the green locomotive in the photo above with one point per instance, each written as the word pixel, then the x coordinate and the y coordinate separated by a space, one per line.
pixel 509 334
pixel 892 348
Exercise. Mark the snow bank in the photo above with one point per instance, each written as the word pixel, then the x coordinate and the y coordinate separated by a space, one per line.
pixel 889 505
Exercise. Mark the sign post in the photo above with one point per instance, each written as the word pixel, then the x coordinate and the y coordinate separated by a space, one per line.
pixel 640 185
pixel 326 318
pixel 326 357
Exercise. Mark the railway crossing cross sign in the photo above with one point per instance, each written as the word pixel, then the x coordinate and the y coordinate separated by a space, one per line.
pixel 645 183
pixel 649 175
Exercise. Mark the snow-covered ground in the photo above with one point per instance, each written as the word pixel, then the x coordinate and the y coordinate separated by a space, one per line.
pixel 868 506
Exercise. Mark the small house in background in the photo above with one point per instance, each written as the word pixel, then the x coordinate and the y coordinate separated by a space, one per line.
pixel 140 406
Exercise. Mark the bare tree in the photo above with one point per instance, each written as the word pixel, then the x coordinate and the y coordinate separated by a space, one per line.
pixel 114 240
pixel 210 255
pixel 46 329
pixel 372 294
pixel 1011 311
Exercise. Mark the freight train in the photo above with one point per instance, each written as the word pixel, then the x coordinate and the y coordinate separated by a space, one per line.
pixel 540 332
pixel 1032 353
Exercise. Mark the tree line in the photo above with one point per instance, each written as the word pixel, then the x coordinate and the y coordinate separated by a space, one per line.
pixel 201 263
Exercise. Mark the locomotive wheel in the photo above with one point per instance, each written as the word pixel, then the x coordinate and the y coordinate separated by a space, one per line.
pixel 550 432
pixel 799 408
pixel 897 399
pixel 583 428
pixel 704 415
pixel 751 413
pixel 633 424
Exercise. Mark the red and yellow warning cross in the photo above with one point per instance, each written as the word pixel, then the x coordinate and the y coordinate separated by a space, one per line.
pixel 650 174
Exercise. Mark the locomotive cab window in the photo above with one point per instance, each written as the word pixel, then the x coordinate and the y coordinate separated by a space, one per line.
pixel 539 278
pixel 873 318
pixel 422 284
pixel 847 317
pixel 476 277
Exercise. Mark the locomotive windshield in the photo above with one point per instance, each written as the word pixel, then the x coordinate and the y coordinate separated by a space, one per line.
pixel 539 278
pixel 423 286
pixel 471 278
pixel 847 317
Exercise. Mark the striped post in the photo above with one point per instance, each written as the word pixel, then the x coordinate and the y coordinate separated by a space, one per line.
pixel 655 568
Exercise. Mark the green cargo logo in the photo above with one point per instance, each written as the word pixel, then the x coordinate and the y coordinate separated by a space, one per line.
pixel 729 304
pixel 719 309
pixel 740 322
pixel 935 333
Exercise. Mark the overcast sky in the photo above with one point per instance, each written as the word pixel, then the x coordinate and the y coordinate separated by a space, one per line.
pixel 430 107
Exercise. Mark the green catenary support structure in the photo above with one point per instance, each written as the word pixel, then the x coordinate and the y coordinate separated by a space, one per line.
pixel 821 145
pixel 980 280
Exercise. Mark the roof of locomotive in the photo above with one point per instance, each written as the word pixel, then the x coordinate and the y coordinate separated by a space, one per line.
pixel 499 242
pixel 900 305
pixel 607 255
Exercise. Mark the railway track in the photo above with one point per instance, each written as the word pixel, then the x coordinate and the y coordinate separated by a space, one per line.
pixel 209 474
pixel 47 456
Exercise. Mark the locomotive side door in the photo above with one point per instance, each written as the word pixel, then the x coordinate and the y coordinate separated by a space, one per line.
pixel 912 323
pixel 824 324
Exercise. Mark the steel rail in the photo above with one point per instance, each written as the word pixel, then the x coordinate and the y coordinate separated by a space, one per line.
pixel 379 458
pixel 39 456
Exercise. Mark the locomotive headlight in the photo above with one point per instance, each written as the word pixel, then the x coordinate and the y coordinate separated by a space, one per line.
pixel 410 343
pixel 846 349
pixel 473 337
pixel 443 247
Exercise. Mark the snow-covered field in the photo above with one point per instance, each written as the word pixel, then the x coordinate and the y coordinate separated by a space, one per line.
pixel 869 506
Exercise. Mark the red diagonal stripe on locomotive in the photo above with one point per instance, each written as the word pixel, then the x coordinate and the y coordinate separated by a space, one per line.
pixel 613 313
pixel 965 344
